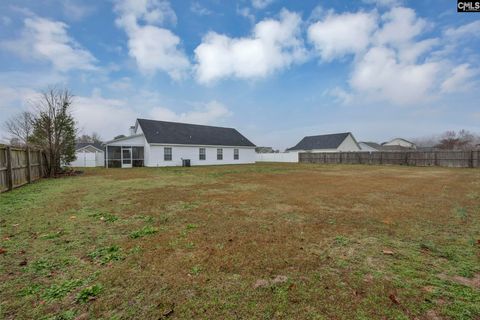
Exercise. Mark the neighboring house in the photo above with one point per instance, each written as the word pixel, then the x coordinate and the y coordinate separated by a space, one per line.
pixel 375 147
pixel 338 142
pixel 89 155
pixel 370 146
pixel 264 150
pixel 401 143
pixel 160 143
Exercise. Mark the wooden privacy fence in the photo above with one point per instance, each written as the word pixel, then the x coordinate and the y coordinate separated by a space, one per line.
pixel 459 159
pixel 20 166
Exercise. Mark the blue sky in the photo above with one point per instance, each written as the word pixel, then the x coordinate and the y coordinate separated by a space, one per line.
pixel 276 70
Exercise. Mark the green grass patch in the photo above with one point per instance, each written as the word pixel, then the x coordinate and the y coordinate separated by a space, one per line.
pixel 145 231
pixel 89 293
pixel 106 254
pixel 58 291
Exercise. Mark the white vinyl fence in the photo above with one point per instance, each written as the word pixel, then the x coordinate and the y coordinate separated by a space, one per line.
pixel 277 157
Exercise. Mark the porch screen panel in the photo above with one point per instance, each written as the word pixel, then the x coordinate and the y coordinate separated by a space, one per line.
pixel 114 157
pixel 138 156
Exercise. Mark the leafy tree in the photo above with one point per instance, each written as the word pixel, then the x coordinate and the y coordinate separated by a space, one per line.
pixel 54 128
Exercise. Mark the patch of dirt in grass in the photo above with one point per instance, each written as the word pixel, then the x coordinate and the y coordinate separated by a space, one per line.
pixel 473 282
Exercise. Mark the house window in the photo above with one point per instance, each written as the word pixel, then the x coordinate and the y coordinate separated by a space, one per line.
pixel 167 154
pixel 202 154
pixel 236 155
pixel 219 154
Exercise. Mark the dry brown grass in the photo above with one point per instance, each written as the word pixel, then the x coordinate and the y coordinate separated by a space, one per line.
pixel 221 230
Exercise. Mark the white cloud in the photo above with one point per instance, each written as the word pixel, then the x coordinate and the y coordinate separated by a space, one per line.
pixel 340 34
pixel 273 45
pixel 48 40
pixel 261 4
pixel 15 99
pixel 76 11
pixel 153 12
pixel 109 117
pixel 340 95
pixel 384 3
pixel 153 48
pixel 246 13
pixel 122 84
pixel 466 31
pixel 460 79
pixel 400 26
pixel 200 10
pixel 380 75
pixel 208 113
pixel 389 63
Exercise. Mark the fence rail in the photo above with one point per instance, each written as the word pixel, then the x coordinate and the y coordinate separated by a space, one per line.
pixel 459 159
pixel 19 166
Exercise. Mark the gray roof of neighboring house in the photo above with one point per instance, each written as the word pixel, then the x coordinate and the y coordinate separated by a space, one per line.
pixel 398 139
pixel 373 145
pixel 380 147
pixel 325 141
pixel 80 145
pixel 185 133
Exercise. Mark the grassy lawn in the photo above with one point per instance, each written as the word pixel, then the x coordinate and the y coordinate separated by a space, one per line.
pixel 264 241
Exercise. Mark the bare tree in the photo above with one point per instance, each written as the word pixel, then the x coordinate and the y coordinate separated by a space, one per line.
pixel 20 127
pixel 54 128
pixel 93 138
pixel 463 140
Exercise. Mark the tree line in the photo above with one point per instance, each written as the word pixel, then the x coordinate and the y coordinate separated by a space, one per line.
pixel 451 140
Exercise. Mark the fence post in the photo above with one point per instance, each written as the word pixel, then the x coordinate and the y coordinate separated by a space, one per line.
pixel 40 155
pixel 471 159
pixel 9 168
pixel 29 166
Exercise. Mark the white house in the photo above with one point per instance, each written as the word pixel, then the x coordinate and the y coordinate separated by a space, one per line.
pixel 338 142
pixel 370 146
pixel 160 143
pixel 400 143
pixel 89 155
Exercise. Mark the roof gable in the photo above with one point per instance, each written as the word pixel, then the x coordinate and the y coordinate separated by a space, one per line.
pixel 325 141
pixel 401 139
pixel 81 145
pixel 185 133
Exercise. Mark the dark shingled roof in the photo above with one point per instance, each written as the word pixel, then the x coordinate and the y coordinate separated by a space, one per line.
pixel 373 145
pixel 185 133
pixel 80 145
pixel 325 141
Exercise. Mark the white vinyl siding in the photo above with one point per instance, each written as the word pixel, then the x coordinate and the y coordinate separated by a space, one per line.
pixel 155 155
